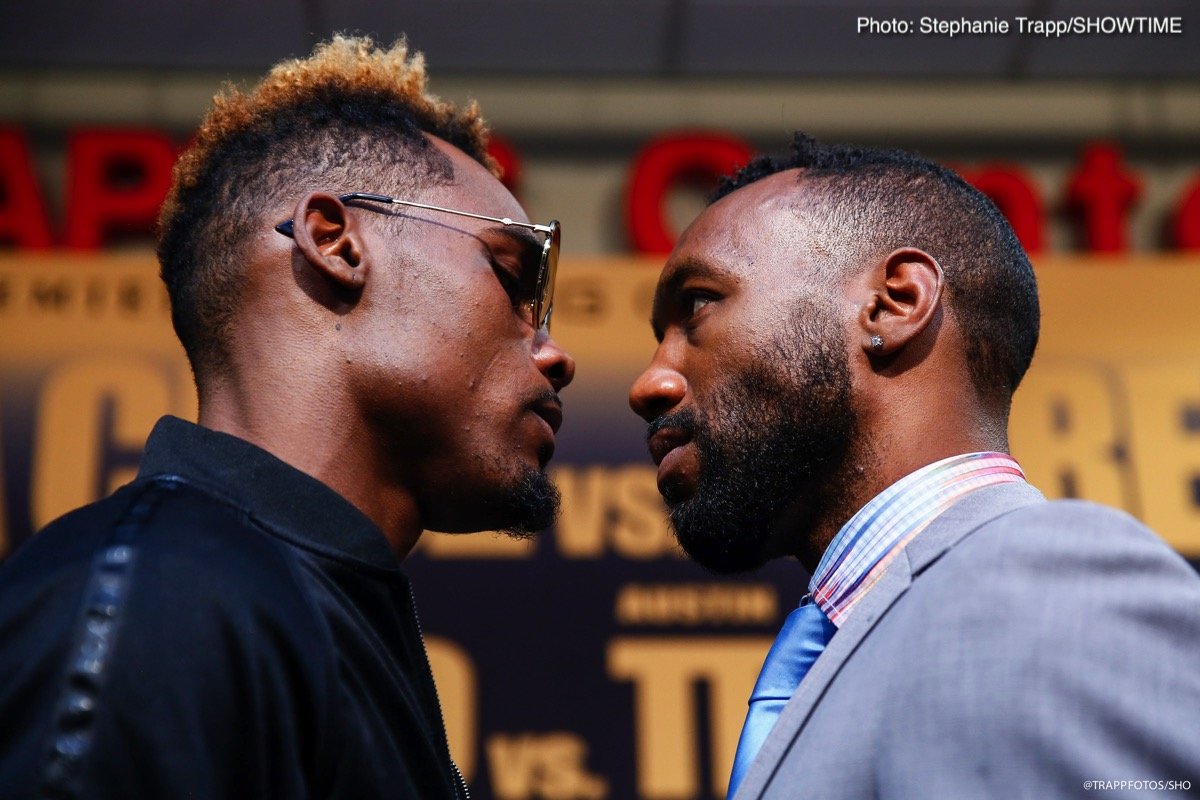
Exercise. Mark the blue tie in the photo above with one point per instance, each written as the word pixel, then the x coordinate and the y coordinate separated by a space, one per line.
pixel 805 633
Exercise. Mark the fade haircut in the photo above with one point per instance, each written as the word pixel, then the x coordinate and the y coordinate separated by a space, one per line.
pixel 344 119
pixel 866 203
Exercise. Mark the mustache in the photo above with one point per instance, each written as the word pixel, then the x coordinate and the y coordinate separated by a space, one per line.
pixel 683 420
pixel 549 396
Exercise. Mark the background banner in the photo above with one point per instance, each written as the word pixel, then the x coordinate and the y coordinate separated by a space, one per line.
pixel 596 661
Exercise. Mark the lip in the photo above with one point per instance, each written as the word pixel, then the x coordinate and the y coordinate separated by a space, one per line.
pixel 551 413
pixel 666 441
pixel 677 469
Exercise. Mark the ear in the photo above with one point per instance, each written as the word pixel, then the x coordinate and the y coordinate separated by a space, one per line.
pixel 905 295
pixel 330 240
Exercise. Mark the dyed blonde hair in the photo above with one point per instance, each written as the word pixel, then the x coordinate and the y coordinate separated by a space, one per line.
pixel 348 117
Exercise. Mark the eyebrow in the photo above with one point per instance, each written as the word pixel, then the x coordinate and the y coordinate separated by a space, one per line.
pixel 521 236
pixel 697 268
pixel 691 268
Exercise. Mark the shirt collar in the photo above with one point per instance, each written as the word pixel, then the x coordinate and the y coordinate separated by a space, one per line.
pixel 288 502
pixel 867 543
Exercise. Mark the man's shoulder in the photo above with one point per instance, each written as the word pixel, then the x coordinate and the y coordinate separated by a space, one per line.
pixel 1080 532
pixel 1057 560
pixel 184 549
pixel 1072 516
pixel 161 515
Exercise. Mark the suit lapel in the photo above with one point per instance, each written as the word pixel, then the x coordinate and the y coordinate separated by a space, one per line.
pixel 964 517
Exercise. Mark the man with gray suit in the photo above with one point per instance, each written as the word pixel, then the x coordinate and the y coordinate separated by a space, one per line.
pixel 840 335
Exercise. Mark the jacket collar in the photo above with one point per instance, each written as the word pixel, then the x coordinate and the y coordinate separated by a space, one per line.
pixel 287 502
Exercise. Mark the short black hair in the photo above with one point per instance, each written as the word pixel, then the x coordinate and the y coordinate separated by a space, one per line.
pixel 334 121
pixel 870 202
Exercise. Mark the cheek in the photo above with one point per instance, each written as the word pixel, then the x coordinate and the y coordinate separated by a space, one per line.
pixel 708 369
pixel 485 377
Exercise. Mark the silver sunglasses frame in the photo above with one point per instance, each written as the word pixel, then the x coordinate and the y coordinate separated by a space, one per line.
pixel 543 297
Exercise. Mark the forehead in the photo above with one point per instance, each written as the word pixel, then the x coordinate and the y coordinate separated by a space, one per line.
pixel 474 188
pixel 753 234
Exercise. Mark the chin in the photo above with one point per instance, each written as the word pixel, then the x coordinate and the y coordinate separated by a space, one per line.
pixel 716 544
pixel 519 507
pixel 533 502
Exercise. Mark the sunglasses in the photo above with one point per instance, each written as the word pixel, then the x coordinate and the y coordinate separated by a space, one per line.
pixel 543 295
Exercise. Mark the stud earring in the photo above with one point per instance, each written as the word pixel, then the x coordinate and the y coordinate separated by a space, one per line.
pixel 877 343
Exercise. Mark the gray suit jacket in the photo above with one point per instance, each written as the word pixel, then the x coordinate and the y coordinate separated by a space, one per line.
pixel 1017 649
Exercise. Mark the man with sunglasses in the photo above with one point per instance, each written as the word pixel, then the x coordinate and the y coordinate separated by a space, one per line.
pixel 366 311
pixel 840 335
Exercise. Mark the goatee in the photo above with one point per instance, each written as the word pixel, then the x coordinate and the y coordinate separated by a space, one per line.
pixel 531 505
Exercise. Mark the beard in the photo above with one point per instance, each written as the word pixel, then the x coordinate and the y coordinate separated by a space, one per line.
pixel 776 442
pixel 529 506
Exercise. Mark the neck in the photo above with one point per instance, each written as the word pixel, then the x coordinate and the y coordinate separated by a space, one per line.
pixel 331 447
pixel 886 453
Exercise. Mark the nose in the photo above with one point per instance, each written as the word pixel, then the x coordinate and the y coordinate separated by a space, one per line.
pixel 552 361
pixel 657 390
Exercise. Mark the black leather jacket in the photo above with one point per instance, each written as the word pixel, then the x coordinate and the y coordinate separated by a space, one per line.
pixel 223 627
